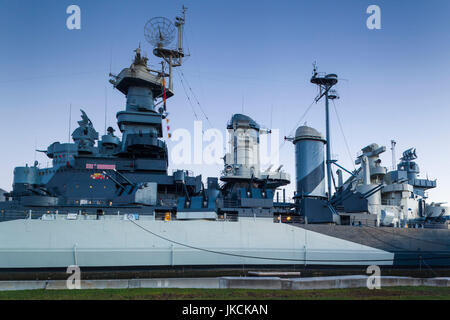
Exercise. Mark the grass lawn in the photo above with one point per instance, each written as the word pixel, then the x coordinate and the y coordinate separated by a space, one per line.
pixel 390 293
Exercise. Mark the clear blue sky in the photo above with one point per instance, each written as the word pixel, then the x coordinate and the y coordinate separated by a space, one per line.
pixel 395 80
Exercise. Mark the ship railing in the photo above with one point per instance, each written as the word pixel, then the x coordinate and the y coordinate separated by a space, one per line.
pixel 6 215
pixel 279 198
pixel 285 200
pixel 231 217
pixel 230 203
pixel 286 218
pixel 90 201
pixel 389 202
pixel 14 214
pixel 67 214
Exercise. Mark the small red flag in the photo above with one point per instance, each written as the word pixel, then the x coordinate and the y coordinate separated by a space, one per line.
pixel 164 92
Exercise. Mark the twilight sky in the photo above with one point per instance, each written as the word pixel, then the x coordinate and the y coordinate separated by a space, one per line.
pixel 251 56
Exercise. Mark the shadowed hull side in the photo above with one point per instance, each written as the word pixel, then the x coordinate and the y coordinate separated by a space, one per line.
pixel 412 247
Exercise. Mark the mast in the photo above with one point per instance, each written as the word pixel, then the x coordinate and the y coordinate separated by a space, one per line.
pixel 325 83
pixel 166 33
pixel 394 161
pixel 328 146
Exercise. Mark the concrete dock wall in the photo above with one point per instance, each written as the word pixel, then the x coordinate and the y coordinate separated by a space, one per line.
pixel 272 283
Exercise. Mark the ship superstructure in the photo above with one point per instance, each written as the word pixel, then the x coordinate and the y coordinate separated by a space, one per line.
pixel 111 171
pixel 110 201
pixel 393 198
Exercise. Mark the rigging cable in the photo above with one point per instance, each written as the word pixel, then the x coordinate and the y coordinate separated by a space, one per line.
pixel 187 96
pixel 195 97
pixel 343 135
pixel 298 122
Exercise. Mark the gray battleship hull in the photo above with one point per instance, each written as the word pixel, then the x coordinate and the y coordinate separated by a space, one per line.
pixel 115 242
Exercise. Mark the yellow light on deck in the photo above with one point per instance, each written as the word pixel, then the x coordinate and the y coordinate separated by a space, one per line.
pixel 288 218
pixel 167 216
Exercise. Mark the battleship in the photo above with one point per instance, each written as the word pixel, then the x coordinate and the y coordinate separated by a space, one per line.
pixel 111 201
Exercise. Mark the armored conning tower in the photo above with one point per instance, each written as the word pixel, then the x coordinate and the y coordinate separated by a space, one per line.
pixel 140 123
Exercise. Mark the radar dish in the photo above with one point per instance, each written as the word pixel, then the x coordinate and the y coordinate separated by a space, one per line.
pixel 159 31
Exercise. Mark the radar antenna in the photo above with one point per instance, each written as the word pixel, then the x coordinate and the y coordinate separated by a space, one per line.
pixel 160 33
